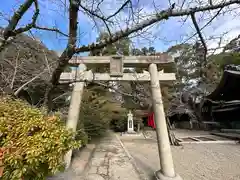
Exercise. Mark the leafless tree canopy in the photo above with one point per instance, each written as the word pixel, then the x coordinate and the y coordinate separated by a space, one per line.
pixel 127 20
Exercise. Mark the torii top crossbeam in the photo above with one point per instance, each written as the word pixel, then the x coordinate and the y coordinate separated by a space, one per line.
pixel 128 61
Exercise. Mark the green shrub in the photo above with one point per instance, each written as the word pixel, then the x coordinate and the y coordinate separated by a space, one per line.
pixel 82 135
pixel 91 122
pixel 119 125
pixel 94 115
pixel 34 144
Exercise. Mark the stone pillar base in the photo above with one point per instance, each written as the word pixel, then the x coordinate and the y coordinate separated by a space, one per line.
pixel 67 159
pixel 131 132
pixel 159 176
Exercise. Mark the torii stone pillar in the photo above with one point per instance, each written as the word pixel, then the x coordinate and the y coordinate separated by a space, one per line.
pixel 74 108
pixel 166 162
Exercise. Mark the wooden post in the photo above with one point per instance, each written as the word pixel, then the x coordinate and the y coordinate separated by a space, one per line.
pixel 164 149
pixel 74 110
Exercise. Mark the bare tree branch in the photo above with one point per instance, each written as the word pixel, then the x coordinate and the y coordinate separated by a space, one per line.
pixel 116 90
pixel 47 64
pixel 10 30
pixel 32 24
pixel 165 14
pixel 200 36
pixel 113 88
pixel 50 29
pixel 120 9
pixel 15 71
pixel 64 94
pixel 16 18
pixel 28 82
pixel 210 2
pixel 205 24
pixel 121 34
pixel 92 13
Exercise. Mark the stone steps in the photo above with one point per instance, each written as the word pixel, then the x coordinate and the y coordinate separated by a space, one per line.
pixel 233 136
pixel 230 131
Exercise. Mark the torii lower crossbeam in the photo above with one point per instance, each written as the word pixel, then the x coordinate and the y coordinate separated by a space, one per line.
pixel 89 76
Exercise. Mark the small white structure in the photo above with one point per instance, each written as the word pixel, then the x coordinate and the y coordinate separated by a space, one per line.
pixel 130 127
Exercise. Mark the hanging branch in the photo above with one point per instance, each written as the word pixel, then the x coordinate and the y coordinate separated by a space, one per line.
pixel 204 25
pixel 201 39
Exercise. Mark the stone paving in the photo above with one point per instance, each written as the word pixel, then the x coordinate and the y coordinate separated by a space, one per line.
pixel 107 159
pixel 110 162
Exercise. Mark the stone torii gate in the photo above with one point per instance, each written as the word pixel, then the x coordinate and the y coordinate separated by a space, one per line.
pixel 79 76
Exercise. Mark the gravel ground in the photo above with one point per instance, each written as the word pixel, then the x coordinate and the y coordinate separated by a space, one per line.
pixel 192 161
pixel 180 133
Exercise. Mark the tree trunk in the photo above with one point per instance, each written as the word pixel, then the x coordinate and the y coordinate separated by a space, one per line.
pixel 172 138
pixel 48 97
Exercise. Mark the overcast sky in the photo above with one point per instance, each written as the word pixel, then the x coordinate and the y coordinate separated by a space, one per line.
pixel 162 35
